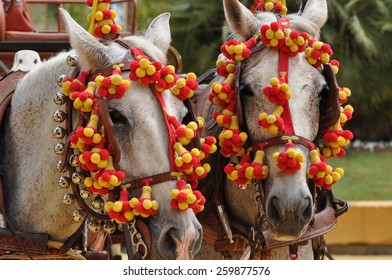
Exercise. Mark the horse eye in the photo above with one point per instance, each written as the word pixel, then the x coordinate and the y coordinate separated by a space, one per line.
pixel 324 92
pixel 117 117
pixel 245 91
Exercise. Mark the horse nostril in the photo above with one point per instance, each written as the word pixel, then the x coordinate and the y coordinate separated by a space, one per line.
pixel 275 212
pixel 181 243
pixel 304 210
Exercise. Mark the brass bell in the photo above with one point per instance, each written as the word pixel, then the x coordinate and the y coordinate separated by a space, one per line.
pixel 59 116
pixel 59 132
pixel 69 199
pixel 73 161
pixel 72 60
pixel 60 98
pixel 58 167
pixel 109 227
pixel 97 203
pixel 59 149
pixel 93 225
pixel 79 215
pixel 61 79
pixel 85 194
pixel 64 182
pixel 77 178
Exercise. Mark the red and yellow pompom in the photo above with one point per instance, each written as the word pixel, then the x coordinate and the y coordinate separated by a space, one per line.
pixel 232 140
pixel 105 179
pixel 113 86
pixel 222 94
pixel 120 210
pixel 273 124
pixel 236 50
pixel 184 198
pixel 245 171
pixel 184 88
pixel 289 161
pixel 279 91
pixel 322 173
pixel 144 206
pixel 318 53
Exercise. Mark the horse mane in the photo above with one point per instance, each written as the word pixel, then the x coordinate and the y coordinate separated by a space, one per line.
pixel 152 51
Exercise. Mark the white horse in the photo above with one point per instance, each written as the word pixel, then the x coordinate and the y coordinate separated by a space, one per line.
pixel 32 196
pixel 283 208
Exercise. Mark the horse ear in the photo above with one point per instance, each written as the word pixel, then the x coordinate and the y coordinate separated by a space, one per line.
pixel 316 11
pixel 158 32
pixel 92 54
pixel 241 20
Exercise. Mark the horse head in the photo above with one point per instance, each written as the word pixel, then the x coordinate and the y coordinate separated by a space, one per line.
pixel 141 132
pixel 277 128
pixel 115 157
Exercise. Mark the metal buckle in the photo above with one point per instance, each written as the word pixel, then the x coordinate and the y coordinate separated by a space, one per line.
pixel 137 240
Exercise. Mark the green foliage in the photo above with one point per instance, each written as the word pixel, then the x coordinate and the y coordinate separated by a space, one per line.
pixel 367 175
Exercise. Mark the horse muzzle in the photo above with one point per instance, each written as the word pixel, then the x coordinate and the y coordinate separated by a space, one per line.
pixel 288 219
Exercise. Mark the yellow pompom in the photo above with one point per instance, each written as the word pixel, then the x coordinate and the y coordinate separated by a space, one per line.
pixel 116 80
pixel 117 206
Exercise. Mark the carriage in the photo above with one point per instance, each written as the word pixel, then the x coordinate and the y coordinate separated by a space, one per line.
pixel 264 198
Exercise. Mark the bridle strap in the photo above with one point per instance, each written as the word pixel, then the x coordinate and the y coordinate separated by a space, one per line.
pixel 155 179
pixel 281 140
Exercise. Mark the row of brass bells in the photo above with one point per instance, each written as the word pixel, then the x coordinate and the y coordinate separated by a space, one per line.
pixel 59 116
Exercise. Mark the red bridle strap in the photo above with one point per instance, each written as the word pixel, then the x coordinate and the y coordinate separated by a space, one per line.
pixel 283 69
pixel 138 55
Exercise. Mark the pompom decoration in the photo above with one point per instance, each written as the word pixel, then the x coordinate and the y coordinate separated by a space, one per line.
pixel 185 133
pixel 145 72
pixel 75 85
pixel 245 171
pixel 102 21
pixel 318 53
pixel 85 138
pixel 208 146
pixel 84 100
pixel 276 6
pixel 295 42
pixel 113 86
pixel 105 179
pixel 120 210
pixel 184 88
pixel 236 50
pixel 225 67
pixel 272 35
pixel 289 161
pixel 334 141
pixel 272 123
pixel 144 206
pixel 223 94
pixel 232 140
pixel 94 160
pixel 184 198
pixel 279 91
pixel 322 173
